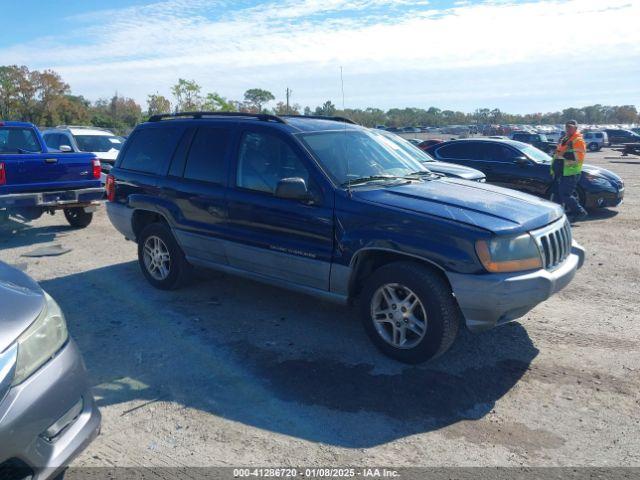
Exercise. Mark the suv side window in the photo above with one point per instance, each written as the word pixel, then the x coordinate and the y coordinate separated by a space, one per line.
pixel 150 149
pixel 206 160
pixel 598 135
pixel 460 150
pixel 264 160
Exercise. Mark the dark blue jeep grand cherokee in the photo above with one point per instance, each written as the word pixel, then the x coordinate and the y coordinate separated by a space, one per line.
pixel 327 207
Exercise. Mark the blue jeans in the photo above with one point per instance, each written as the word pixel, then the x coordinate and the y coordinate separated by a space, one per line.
pixel 563 191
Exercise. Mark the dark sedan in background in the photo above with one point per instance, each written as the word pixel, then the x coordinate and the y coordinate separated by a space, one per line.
pixel 523 167
pixel 47 412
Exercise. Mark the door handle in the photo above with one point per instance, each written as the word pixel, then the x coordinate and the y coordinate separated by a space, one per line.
pixel 51 160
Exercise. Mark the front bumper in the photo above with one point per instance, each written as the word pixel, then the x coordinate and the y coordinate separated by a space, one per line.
pixel 29 409
pixel 54 199
pixel 121 218
pixel 492 299
pixel 605 198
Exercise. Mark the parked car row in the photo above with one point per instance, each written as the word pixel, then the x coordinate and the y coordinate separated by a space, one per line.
pixel 523 167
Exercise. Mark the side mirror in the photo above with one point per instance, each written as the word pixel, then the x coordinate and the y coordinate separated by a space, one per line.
pixel 292 188
pixel 522 161
pixel 65 149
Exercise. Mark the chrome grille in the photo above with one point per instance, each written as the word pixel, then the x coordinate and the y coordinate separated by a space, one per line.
pixel 554 243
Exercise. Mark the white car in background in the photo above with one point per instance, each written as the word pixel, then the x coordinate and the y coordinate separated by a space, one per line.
pixel 103 143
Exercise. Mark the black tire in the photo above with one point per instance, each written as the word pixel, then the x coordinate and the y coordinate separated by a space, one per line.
pixel 593 147
pixel 4 216
pixel 177 266
pixel 77 217
pixel 442 313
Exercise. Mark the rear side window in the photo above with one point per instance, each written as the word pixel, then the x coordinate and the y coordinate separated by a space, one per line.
pixel 150 149
pixel 462 150
pixel 206 160
pixel 18 140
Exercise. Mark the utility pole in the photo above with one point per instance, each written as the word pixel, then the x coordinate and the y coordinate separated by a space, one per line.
pixel 289 92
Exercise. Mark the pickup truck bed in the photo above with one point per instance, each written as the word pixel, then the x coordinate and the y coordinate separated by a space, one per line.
pixel 34 181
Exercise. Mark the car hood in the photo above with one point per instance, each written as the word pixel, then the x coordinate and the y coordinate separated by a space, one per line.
pixel 608 174
pixel 453 170
pixel 22 300
pixel 111 155
pixel 499 210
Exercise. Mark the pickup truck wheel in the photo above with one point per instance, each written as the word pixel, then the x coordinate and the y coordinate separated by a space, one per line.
pixel 161 258
pixel 77 217
pixel 409 312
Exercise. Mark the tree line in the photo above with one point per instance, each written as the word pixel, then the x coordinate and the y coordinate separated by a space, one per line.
pixel 43 98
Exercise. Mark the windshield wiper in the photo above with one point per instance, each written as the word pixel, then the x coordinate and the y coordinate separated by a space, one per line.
pixel 421 174
pixel 370 178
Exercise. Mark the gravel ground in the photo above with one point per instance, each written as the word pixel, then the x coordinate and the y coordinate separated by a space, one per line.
pixel 230 372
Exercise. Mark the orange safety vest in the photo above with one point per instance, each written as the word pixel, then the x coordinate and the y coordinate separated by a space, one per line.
pixel 572 150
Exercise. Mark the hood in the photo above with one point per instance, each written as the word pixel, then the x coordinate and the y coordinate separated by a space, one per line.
pixel 453 170
pixel 22 300
pixel 603 172
pixel 499 210
pixel 109 156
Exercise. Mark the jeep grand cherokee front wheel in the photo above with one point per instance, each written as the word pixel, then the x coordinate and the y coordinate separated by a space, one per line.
pixel 409 312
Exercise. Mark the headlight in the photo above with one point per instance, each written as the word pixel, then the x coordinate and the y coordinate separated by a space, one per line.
pixel 599 181
pixel 40 341
pixel 509 254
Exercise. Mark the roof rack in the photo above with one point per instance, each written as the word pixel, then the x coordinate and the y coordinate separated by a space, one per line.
pixel 265 117
pixel 323 117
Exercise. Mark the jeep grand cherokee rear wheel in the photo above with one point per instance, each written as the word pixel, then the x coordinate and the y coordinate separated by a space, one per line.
pixel 161 258
pixel 409 312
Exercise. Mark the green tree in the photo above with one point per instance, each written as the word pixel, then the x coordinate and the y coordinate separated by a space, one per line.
pixel 281 109
pixel 213 102
pixel 9 87
pixel 257 97
pixel 187 95
pixel 327 109
pixel 157 104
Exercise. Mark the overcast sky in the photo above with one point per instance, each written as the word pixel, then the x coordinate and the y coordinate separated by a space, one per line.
pixel 519 56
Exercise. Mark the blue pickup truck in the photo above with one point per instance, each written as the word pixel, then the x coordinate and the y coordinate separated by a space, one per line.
pixel 336 210
pixel 34 180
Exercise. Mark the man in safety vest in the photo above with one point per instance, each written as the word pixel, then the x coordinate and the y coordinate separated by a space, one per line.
pixel 566 169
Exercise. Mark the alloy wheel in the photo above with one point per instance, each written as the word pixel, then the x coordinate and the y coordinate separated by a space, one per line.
pixel 398 316
pixel 157 258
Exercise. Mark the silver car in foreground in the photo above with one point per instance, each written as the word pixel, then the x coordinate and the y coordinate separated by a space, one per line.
pixel 47 412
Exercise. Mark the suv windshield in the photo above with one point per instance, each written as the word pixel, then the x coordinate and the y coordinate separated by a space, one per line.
pixel 352 155
pixel 18 140
pixel 98 143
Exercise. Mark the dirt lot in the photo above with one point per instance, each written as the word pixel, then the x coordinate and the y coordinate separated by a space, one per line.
pixel 230 372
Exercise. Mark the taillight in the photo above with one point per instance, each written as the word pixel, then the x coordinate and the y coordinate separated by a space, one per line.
pixel 3 174
pixel 96 168
pixel 111 188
